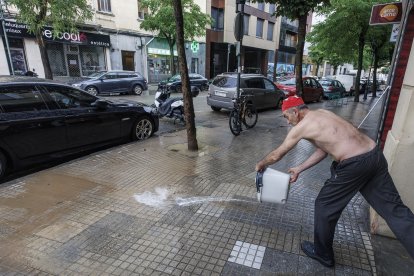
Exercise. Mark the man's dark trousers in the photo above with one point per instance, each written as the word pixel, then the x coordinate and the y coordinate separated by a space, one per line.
pixel 368 174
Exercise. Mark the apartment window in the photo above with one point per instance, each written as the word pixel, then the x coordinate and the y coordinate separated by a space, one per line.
pixel 104 5
pixel 142 12
pixel 272 8
pixel 261 6
pixel 218 19
pixel 246 20
pixel 259 27
pixel 270 27
pixel 290 40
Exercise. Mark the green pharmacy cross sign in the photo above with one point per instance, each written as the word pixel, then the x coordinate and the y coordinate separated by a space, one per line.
pixel 195 46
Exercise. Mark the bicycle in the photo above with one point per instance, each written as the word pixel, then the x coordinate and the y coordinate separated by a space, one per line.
pixel 244 112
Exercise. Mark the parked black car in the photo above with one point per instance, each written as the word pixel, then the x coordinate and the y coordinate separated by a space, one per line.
pixel 113 82
pixel 174 83
pixel 41 120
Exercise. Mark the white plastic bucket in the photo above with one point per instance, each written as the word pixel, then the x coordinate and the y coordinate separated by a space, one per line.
pixel 272 186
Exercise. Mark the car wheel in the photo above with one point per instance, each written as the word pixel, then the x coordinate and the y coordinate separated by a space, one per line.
pixel 3 165
pixel 92 90
pixel 320 98
pixel 178 89
pixel 137 90
pixel 279 104
pixel 215 108
pixel 143 129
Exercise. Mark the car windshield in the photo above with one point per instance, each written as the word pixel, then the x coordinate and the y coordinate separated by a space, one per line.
pixel 96 74
pixel 291 81
pixel 175 78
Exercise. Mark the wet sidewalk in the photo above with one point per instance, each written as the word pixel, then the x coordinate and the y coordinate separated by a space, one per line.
pixel 153 208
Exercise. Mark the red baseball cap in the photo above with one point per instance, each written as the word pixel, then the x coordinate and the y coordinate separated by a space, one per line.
pixel 291 101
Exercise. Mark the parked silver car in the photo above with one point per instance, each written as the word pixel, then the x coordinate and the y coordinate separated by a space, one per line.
pixel 223 90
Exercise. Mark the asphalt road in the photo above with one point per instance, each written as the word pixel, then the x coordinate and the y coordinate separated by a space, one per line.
pixel 202 111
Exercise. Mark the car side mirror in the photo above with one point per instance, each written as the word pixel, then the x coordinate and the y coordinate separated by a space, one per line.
pixel 100 104
pixel 195 91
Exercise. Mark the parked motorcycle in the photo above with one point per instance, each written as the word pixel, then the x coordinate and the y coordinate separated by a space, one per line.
pixel 171 107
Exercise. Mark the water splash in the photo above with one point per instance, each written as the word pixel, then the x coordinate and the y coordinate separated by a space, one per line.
pixel 156 199
pixel 203 199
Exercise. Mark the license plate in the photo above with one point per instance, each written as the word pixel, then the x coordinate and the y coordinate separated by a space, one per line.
pixel 219 93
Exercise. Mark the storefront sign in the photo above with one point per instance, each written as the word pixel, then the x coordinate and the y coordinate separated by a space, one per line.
pixel 163 52
pixel 386 13
pixel 195 46
pixel 14 29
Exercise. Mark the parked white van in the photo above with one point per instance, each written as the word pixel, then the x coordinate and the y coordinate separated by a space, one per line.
pixel 348 82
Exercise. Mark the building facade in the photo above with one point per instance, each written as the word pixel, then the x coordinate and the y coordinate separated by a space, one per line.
pixel 261 36
pixel 112 40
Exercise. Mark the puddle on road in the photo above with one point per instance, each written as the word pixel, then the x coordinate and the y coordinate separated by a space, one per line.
pixel 41 192
pixel 203 149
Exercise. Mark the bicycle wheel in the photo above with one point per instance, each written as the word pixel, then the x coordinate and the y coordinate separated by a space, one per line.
pixel 234 122
pixel 250 116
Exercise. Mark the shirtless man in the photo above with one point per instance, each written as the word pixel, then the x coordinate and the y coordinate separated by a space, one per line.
pixel 358 166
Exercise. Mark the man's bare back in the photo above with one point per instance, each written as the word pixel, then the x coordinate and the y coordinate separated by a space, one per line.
pixel 332 134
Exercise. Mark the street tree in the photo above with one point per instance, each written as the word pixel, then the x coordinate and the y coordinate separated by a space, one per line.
pixel 61 15
pixel 160 20
pixel 381 49
pixel 182 61
pixel 344 31
pixel 298 10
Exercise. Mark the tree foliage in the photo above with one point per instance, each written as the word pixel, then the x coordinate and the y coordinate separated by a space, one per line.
pixel 161 20
pixel 61 15
pixel 298 9
pixel 344 31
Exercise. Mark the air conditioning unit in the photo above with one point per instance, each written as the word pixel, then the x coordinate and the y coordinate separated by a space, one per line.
pixel 73 49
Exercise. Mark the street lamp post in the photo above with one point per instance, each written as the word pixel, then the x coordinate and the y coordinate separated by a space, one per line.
pixel 238 34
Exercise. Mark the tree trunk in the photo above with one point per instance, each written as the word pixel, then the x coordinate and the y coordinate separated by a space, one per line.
pixel 361 43
pixel 299 53
pixel 374 74
pixel 44 57
pixel 185 81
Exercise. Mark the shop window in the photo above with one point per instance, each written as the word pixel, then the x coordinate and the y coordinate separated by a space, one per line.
pixel 218 19
pixel 194 65
pixel 259 27
pixel 92 59
pixel 270 27
pixel 128 62
pixel 104 5
pixel 18 56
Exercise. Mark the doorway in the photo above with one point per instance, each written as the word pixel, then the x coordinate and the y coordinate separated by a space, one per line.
pixel 73 65
pixel 128 62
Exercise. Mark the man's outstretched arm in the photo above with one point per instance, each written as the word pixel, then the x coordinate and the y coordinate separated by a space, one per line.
pixel 314 159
